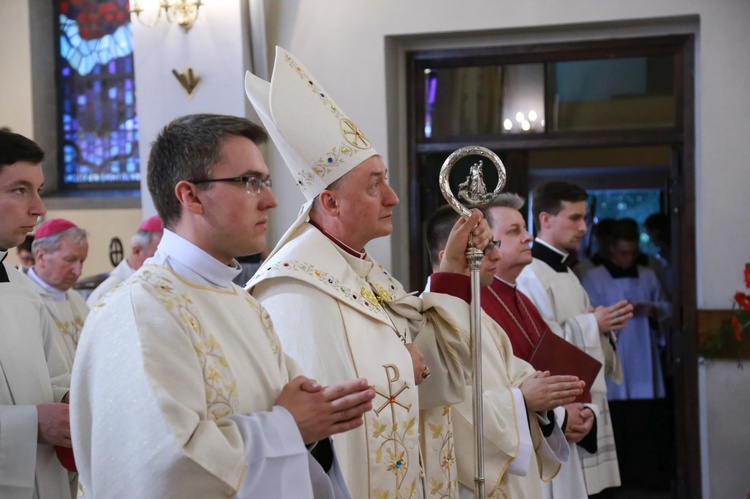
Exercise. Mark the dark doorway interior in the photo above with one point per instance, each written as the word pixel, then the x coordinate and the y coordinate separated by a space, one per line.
pixel 582 120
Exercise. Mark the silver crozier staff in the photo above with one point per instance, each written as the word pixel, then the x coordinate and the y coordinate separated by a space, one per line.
pixel 474 192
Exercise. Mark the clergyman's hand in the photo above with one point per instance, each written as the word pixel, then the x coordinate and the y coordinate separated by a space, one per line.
pixel 579 424
pixel 543 392
pixel 54 424
pixel 613 317
pixel 454 256
pixel 334 409
pixel 417 359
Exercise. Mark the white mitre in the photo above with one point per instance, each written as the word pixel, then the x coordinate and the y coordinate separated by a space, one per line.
pixel 318 142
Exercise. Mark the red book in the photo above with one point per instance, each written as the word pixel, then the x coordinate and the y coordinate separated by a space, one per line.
pixel 65 456
pixel 559 357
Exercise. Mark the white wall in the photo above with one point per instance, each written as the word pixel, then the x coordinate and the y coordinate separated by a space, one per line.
pixel 15 78
pixel 216 50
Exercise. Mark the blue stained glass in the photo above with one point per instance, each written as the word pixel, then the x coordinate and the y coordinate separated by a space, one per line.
pixel 97 101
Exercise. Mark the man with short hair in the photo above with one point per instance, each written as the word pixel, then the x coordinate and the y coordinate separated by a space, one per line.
pixel 32 420
pixel 60 248
pixel 516 313
pixel 523 444
pixel 603 234
pixel 559 210
pixel 25 255
pixel 180 387
pixel 340 313
pixel 641 441
pixel 142 247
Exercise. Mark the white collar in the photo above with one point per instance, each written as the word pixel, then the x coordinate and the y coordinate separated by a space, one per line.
pixel 56 294
pixel 192 263
pixel 511 284
pixel 3 254
pixel 562 253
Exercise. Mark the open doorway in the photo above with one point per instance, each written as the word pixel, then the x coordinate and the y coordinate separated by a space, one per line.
pixel 614 116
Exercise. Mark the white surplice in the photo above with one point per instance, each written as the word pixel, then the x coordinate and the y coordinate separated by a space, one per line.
pixel 68 311
pixel 326 310
pixel 564 305
pixel 637 343
pixel 119 274
pixel 517 456
pixel 32 371
pixel 177 398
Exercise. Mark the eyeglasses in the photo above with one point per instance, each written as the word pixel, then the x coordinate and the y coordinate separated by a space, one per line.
pixel 491 246
pixel 253 183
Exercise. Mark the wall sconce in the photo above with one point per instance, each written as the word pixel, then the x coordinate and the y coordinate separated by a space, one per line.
pixel 181 12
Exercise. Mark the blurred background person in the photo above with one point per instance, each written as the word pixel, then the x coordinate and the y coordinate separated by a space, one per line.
pixel 60 248
pixel 640 415
pixel 25 255
pixel 142 246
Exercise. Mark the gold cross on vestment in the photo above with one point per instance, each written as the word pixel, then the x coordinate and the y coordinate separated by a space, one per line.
pixel 392 397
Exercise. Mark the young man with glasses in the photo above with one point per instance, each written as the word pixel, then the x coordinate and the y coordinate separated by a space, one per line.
pixel 181 388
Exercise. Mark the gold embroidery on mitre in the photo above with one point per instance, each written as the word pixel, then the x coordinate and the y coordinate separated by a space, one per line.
pixel 351 134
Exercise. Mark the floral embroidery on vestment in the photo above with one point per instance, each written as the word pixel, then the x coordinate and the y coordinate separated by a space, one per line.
pixel 441 443
pixel 220 385
pixel 330 282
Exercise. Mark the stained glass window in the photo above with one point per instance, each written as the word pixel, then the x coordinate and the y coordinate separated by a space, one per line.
pixel 97 108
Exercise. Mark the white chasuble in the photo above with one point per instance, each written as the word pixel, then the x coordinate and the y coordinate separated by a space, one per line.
pixel 342 317
pixel 32 371
pixel 68 314
pixel 564 305
pixel 511 471
pixel 119 274
pixel 174 400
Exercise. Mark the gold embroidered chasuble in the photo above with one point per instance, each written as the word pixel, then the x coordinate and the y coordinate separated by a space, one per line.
pixel 340 317
pixel 32 371
pixel 502 372
pixel 185 441
pixel 68 315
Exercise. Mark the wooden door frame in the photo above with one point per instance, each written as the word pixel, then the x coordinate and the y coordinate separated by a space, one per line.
pixel 681 138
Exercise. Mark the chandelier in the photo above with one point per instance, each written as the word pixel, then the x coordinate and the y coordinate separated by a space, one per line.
pixel 180 12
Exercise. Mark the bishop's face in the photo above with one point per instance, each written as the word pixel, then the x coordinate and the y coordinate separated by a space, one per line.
pixel 63 267
pixel 365 203
pixel 20 203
